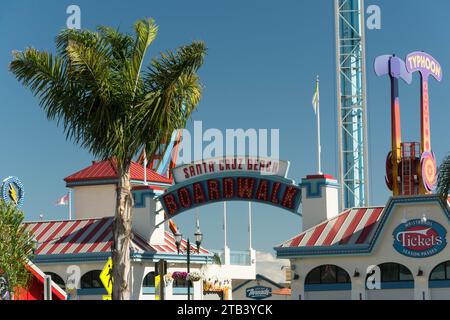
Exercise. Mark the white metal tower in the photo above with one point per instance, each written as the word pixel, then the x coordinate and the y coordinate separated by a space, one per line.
pixel 352 103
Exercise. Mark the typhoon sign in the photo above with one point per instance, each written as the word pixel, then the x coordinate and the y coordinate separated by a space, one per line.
pixel 420 239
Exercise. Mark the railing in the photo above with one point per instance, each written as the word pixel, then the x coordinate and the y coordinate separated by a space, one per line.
pixel 237 258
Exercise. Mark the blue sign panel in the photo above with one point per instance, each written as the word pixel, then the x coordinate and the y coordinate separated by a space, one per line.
pixel 258 292
pixel 420 239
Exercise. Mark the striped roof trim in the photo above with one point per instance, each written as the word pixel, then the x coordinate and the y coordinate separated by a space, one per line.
pixel 91 236
pixel 40 275
pixel 107 170
pixel 352 227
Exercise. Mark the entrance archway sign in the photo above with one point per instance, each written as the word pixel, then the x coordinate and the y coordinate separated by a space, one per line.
pixel 231 179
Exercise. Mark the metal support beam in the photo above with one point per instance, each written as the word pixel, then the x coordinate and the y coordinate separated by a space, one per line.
pixel 352 103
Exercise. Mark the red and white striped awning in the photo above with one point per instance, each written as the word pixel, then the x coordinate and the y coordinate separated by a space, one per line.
pixel 91 236
pixel 352 227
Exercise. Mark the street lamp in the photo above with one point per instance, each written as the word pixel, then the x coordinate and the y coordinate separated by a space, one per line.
pixel 198 241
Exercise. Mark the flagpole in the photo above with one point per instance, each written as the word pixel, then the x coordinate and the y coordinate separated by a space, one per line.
pixel 319 148
pixel 145 167
pixel 70 204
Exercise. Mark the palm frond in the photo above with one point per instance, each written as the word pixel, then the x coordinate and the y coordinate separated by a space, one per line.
pixel 146 31
pixel 121 44
pixel 443 184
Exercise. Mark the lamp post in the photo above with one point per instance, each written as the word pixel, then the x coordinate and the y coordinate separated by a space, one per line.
pixel 198 241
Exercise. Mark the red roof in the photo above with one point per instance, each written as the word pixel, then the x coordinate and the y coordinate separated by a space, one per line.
pixel 36 288
pixel 352 227
pixel 91 236
pixel 107 170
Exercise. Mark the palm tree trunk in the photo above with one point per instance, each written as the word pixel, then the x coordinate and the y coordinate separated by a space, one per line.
pixel 122 237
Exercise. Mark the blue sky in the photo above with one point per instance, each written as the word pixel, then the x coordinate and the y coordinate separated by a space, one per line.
pixel 259 73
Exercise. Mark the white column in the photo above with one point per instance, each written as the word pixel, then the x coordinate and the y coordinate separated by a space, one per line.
pixel 169 291
pixel 359 287
pixel 421 289
pixel 198 290
pixel 226 250
pixel 250 225
pixel 70 204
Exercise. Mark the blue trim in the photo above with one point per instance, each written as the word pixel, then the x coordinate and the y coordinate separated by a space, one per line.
pixel 398 285
pixel 328 287
pixel 181 291
pixel 70 258
pixel 139 197
pixel 439 284
pixel 103 256
pixel 148 290
pixel 113 181
pixel 314 186
pixel 92 292
pixel 366 249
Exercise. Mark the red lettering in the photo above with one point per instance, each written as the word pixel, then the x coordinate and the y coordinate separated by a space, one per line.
pixel 184 197
pixel 170 203
pixel 263 191
pixel 213 190
pixel 186 173
pixel 275 190
pixel 192 171
pixel 245 187
pixel 228 188
pixel 199 194
pixel 289 196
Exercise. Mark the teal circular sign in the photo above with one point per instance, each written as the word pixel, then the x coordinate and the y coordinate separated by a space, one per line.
pixel 13 191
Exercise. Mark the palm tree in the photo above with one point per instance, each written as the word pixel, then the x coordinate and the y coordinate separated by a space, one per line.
pixel 443 184
pixel 97 89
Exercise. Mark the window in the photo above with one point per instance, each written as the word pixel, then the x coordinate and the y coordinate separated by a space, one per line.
pixel 181 283
pixel 327 274
pixel 91 280
pixel 57 279
pixel 394 272
pixel 441 272
pixel 149 280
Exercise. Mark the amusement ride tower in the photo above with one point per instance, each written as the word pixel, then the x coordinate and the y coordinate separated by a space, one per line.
pixel 352 103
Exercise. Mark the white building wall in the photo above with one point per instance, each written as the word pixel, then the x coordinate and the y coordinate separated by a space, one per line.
pixel 146 219
pixel 94 201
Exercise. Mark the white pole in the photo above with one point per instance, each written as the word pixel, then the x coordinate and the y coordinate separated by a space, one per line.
pixel 70 204
pixel 225 224
pixel 145 167
pixel 250 225
pixel 197 220
pixel 319 148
